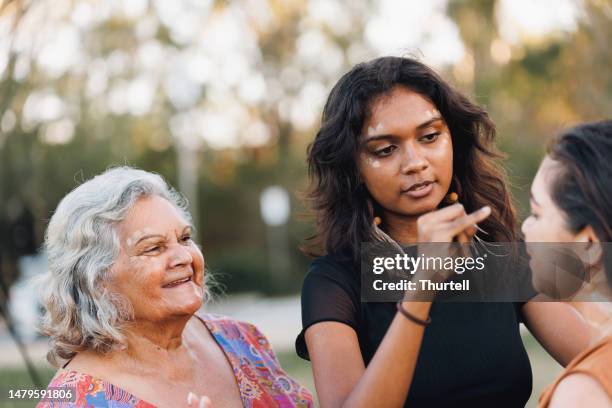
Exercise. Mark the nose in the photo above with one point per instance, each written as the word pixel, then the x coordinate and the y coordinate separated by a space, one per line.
pixel 525 226
pixel 180 256
pixel 413 160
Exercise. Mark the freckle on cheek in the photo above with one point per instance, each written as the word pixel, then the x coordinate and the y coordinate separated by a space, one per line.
pixel 372 162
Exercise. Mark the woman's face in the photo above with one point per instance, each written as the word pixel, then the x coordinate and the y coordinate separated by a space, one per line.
pixel 560 259
pixel 406 154
pixel 160 270
pixel 546 222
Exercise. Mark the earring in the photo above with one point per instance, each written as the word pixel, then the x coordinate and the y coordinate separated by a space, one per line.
pixel 377 220
pixel 451 198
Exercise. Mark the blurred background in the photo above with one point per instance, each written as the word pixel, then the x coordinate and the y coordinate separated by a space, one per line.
pixel 222 98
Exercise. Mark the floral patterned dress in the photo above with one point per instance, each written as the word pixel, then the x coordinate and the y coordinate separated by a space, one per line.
pixel 260 378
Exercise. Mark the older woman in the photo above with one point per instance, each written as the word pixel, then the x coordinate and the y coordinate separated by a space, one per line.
pixel 122 298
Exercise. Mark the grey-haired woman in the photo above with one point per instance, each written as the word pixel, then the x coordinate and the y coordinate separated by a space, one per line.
pixel 122 297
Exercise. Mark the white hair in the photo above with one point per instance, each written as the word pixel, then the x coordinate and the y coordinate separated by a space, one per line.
pixel 82 244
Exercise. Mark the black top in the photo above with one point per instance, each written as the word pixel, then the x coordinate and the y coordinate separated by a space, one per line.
pixel 472 354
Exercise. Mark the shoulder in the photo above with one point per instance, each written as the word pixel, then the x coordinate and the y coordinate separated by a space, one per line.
pixel 333 265
pixel 588 380
pixel 331 270
pixel 330 284
pixel 226 322
pixel 91 391
pixel 579 389
pixel 233 329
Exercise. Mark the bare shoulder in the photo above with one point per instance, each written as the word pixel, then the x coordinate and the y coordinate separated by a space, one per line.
pixel 580 390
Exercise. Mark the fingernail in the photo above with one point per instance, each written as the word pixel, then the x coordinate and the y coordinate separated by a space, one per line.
pixel 485 210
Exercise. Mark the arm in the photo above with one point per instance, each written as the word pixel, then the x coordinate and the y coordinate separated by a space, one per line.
pixel 579 390
pixel 341 377
pixel 558 327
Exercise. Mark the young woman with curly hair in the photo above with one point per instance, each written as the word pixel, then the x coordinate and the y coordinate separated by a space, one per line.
pixel 395 140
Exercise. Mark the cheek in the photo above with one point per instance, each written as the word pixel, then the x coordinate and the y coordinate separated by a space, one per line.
pixel 441 158
pixel 198 264
pixel 382 187
pixel 377 173
pixel 143 275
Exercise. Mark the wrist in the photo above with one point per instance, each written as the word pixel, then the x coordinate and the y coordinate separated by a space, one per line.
pixel 416 312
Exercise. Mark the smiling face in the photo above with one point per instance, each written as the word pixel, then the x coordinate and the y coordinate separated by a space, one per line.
pixel 406 154
pixel 160 270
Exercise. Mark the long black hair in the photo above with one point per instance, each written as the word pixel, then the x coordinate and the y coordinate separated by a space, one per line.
pixel 337 194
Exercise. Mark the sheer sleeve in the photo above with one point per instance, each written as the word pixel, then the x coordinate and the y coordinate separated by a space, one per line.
pixel 329 293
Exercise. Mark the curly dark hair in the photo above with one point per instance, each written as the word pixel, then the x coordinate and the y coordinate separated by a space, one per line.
pixel 337 195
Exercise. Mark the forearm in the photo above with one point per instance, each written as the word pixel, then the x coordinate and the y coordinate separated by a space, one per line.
pixel 387 379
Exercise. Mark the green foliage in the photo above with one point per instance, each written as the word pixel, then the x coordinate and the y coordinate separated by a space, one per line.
pixel 545 86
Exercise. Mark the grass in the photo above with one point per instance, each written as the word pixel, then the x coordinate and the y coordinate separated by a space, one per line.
pixel 18 378
pixel 544 371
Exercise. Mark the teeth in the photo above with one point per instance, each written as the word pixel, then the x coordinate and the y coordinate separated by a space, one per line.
pixel 178 282
pixel 422 186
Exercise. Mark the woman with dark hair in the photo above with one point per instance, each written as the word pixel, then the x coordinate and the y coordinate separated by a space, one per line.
pixel 395 140
pixel 571 201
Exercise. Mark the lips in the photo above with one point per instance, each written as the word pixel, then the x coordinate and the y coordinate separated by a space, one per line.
pixel 178 282
pixel 419 190
pixel 418 186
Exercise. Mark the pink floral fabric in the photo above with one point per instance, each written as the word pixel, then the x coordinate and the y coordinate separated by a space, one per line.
pixel 259 376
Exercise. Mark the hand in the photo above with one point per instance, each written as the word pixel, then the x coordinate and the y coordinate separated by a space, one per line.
pixel 441 227
pixel 193 400
pixel 449 224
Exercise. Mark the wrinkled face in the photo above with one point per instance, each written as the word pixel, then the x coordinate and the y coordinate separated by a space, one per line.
pixel 406 154
pixel 160 270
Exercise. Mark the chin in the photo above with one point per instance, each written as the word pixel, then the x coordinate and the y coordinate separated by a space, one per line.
pixel 186 306
pixel 185 311
pixel 421 206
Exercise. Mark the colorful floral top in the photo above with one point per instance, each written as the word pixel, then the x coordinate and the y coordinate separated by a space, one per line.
pixel 260 378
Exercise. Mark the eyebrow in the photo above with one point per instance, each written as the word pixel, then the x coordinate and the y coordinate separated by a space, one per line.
pixel 149 236
pixel 429 122
pixel 387 136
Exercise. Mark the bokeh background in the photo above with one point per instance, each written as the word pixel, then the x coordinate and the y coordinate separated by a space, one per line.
pixel 222 98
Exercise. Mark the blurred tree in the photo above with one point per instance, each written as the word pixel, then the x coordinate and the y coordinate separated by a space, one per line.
pixel 222 98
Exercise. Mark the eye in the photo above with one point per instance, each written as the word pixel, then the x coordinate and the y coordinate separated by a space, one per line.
pixel 186 238
pixel 152 249
pixel 430 138
pixel 385 151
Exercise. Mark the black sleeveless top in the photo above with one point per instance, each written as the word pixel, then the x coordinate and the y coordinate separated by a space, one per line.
pixel 472 354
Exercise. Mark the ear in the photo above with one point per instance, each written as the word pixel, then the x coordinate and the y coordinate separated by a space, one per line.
pixel 593 245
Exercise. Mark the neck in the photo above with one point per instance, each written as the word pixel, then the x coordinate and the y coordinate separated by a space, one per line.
pixel 401 228
pixel 149 341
